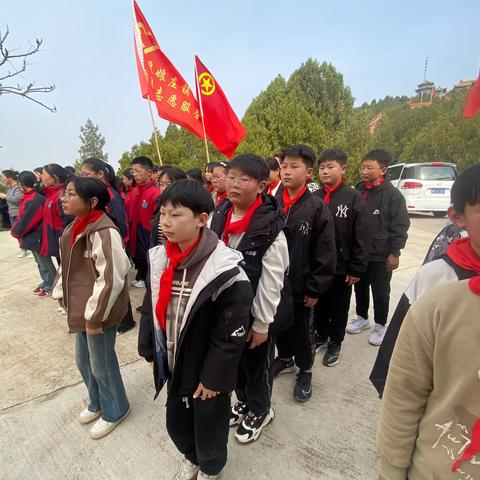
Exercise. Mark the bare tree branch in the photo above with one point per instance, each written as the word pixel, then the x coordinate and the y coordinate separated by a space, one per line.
pixel 6 56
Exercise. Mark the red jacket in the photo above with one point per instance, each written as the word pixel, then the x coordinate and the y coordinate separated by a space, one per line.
pixel 141 203
pixel 54 221
pixel 28 226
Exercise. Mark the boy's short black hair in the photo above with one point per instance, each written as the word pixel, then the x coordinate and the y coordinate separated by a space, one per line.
pixel 382 157
pixel 38 170
pixel 466 188
pixel 272 164
pixel 189 194
pixel 333 155
pixel 251 165
pixel 302 151
pixel 144 161
pixel 173 173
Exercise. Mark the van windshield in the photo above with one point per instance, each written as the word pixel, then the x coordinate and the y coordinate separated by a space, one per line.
pixel 429 172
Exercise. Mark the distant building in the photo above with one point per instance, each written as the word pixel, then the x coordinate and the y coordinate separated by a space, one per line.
pixel 424 88
pixel 463 85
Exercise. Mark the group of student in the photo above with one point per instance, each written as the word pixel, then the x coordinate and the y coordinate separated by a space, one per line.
pixel 253 259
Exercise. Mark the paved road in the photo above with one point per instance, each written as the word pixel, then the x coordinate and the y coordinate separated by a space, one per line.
pixel 331 437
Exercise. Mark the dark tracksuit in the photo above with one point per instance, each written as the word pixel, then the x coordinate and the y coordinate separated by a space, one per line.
pixel 388 224
pixel 353 245
pixel 310 234
pixel 208 350
pixel 254 384
pixel 141 205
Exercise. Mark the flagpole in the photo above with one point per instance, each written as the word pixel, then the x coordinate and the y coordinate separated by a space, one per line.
pixel 154 130
pixel 199 93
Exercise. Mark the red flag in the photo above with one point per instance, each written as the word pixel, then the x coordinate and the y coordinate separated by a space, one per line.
pixel 161 82
pixel 222 126
pixel 472 105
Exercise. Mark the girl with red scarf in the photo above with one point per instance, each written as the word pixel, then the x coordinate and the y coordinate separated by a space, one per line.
pixel 54 218
pixel 92 287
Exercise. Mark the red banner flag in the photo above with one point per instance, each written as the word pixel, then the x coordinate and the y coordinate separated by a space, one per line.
pixel 222 126
pixel 161 82
pixel 472 105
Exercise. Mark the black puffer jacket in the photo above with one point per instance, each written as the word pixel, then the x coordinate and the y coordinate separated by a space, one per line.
pixel 388 220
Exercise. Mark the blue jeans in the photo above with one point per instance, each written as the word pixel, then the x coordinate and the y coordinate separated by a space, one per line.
pixel 97 361
pixel 47 271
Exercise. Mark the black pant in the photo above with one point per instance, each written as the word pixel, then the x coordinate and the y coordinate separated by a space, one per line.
pixel 127 320
pixel 254 386
pixel 199 429
pixel 298 341
pixel 379 279
pixel 331 311
pixel 141 264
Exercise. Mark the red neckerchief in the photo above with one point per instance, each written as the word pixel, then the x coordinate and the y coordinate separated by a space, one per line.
pixel 273 186
pixel 175 257
pixel 369 186
pixel 81 224
pixel 221 197
pixel 329 191
pixel 462 253
pixel 289 202
pixel 240 226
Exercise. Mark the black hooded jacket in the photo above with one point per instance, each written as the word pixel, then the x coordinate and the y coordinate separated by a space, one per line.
pixel 388 220
pixel 310 234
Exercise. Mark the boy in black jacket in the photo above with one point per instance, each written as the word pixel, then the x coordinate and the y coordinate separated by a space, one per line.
pixel 388 225
pixel 200 306
pixel 252 223
pixel 311 240
pixel 352 238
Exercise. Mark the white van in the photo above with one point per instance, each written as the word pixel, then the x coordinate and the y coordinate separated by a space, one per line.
pixel 425 186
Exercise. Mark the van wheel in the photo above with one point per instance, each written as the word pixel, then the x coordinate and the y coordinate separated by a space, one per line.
pixel 439 214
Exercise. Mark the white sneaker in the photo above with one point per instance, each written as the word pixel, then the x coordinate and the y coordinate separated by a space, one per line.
pixel 188 471
pixel 376 337
pixel 133 282
pixel 102 427
pixel 358 325
pixel 22 254
pixel 139 284
pixel 204 475
pixel 30 254
pixel 86 416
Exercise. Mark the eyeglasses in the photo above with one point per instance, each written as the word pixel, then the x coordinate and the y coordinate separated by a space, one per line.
pixel 66 195
pixel 218 177
pixel 241 181
pixel 367 169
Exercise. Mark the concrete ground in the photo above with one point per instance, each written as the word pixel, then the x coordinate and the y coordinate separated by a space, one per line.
pixel 331 437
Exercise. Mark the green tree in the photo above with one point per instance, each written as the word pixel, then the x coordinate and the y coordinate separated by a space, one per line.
pixel 91 143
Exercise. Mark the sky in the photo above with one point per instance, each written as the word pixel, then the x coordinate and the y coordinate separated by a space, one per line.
pixel 87 52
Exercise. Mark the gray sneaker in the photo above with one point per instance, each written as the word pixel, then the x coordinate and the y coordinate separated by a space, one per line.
pixel 358 325
pixel 188 471
pixel 376 337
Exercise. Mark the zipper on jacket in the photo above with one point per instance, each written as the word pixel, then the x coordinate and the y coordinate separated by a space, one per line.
pixel 186 401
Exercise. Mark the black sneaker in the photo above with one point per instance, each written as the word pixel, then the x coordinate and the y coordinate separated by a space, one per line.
pixel 331 356
pixel 251 427
pixel 280 365
pixel 303 387
pixel 237 412
pixel 320 342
